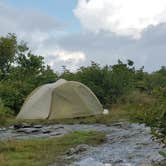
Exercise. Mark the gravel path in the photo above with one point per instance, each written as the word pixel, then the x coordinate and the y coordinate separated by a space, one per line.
pixel 126 145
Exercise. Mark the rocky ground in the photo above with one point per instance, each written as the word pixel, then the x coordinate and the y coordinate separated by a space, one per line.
pixel 126 144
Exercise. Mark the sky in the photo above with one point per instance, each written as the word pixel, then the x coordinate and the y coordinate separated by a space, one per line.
pixel 73 33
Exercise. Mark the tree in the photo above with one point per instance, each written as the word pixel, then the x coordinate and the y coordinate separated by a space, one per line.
pixel 8 49
pixel 108 82
pixel 22 72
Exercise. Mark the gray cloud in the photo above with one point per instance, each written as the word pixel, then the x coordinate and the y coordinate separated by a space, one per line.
pixel 107 48
pixel 104 47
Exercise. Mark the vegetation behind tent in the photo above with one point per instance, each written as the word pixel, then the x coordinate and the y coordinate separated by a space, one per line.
pixel 21 71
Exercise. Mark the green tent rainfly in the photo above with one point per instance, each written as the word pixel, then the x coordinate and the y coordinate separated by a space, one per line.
pixel 62 99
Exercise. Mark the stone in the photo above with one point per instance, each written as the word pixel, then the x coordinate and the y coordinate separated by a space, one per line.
pixel 124 125
pixel 37 126
pixel 56 134
pixel 3 129
pixel 89 162
pixel 11 127
pixel 46 131
pixel 107 164
pixel 117 124
pixel 78 149
pixel 60 127
pixel 22 125
pixel 18 126
pixel 28 130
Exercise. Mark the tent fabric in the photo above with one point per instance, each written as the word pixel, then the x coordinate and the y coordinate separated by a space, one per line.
pixel 62 99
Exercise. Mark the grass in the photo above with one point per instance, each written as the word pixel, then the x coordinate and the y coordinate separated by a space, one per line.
pixel 163 163
pixel 162 154
pixel 117 113
pixel 42 152
pixel 5 115
pixel 135 107
pixel 6 120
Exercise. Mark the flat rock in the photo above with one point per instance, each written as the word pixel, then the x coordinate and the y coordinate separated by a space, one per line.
pixel 46 131
pixel 11 127
pixel 22 125
pixel 78 149
pixel 59 127
pixel 88 162
pixel 56 134
pixel 28 130
pixel 124 125
pixel 3 129
pixel 37 126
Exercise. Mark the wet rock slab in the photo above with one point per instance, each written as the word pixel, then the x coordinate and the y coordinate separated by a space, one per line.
pixel 89 162
pixel 26 131
pixel 126 145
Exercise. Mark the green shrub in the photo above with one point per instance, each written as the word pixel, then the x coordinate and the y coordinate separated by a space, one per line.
pixel 5 113
pixel 148 109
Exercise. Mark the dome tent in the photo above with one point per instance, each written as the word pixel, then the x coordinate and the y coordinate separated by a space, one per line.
pixel 62 99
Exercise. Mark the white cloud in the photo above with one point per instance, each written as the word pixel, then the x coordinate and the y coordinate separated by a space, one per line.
pixel 123 17
pixel 61 57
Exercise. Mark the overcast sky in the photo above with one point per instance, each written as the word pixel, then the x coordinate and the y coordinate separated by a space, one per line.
pixel 75 32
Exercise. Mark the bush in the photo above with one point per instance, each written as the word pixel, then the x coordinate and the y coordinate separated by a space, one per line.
pixel 5 113
pixel 136 97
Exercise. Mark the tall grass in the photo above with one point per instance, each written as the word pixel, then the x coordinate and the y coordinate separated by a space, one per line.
pixel 5 114
pixel 148 109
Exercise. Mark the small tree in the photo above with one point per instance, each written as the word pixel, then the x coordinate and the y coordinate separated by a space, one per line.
pixel 8 49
